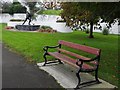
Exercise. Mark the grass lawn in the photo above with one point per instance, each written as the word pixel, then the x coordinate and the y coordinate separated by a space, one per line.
pixel 50 12
pixel 30 45
pixel 0 32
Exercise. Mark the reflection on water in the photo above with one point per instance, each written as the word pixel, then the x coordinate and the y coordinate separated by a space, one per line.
pixel 50 20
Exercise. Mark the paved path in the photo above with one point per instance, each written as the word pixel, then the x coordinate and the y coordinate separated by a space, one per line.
pixel 0 65
pixel 19 74
pixel 65 75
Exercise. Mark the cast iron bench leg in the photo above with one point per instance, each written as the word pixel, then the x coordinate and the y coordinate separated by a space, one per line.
pixel 79 79
pixel 96 76
pixel 60 61
pixel 45 59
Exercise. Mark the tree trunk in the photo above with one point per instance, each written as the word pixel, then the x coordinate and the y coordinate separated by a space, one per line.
pixel 91 30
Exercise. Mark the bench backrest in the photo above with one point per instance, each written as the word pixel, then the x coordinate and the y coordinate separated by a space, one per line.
pixel 80 47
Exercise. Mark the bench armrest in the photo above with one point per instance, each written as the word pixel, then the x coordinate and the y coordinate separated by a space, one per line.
pixel 81 61
pixel 45 48
pixel 92 59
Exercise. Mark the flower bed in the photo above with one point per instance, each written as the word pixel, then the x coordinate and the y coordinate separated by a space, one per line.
pixel 8 28
pixel 47 29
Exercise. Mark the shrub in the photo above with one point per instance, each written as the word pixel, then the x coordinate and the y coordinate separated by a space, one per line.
pixel 47 30
pixel 105 31
pixel 60 20
pixel 16 20
pixel 46 27
pixel 87 30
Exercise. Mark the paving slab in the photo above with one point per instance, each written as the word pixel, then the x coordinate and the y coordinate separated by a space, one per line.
pixel 66 76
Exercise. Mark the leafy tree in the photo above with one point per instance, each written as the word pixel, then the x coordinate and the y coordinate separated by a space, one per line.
pixel 110 12
pixel 90 13
pixel 15 7
pixel 32 7
pixel 5 6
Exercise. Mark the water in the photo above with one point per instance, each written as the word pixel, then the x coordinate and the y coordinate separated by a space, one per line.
pixel 50 20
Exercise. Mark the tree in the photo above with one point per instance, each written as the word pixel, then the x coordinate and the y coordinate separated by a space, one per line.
pixel 90 13
pixel 12 8
pixel 33 9
pixel 5 6
pixel 22 7
pixel 109 12
pixel 16 7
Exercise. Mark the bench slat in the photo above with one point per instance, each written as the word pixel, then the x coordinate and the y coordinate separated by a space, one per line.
pixel 80 47
pixel 63 58
pixel 73 54
pixel 69 60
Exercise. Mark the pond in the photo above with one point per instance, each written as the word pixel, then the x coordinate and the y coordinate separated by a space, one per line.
pixel 50 20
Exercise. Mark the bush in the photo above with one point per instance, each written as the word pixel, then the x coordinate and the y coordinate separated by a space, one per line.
pixel 105 31
pixel 87 30
pixel 60 20
pixel 46 27
pixel 16 20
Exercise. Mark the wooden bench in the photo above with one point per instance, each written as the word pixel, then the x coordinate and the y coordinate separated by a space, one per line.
pixel 78 61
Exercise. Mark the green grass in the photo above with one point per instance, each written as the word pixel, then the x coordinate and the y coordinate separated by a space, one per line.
pixel 30 45
pixel 0 32
pixel 50 12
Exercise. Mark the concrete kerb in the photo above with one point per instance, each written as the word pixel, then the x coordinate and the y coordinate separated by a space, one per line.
pixel 65 75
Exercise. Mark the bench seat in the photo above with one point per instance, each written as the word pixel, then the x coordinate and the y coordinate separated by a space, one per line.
pixel 73 54
pixel 71 61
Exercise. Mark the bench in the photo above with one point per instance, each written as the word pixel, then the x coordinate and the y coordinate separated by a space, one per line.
pixel 84 64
